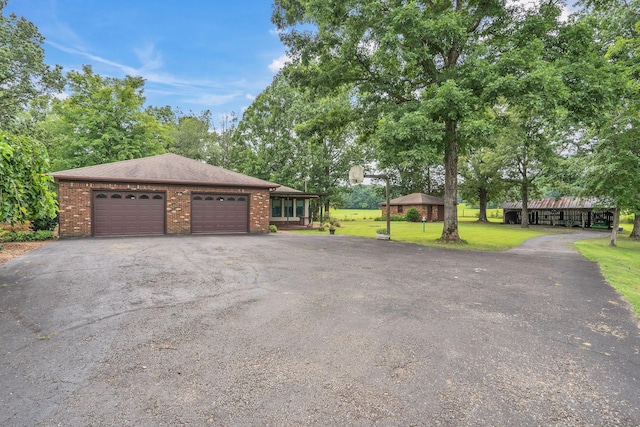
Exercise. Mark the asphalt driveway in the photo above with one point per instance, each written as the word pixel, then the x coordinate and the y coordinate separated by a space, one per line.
pixel 285 329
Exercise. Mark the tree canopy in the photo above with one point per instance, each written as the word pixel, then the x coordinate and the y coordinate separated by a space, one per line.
pixel 102 121
pixel 23 74
pixel 421 67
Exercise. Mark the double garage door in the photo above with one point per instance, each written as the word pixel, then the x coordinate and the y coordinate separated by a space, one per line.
pixel 130 213
pixel 219 213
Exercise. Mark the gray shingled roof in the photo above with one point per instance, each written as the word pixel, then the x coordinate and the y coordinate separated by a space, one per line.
pixel 164 168
pixel 283 190
pixel 553 203
pixel 415 199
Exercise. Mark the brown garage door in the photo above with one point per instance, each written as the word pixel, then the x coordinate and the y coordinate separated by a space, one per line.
pixel 219 213
pixel 128 213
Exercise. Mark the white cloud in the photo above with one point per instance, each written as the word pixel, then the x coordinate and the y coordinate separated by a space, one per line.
pixel 249 97
pixel 124 68
pixel 213 99
pixel 277 64
pixel 149 57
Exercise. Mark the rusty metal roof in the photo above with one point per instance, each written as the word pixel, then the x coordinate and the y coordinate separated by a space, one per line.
pixel 553 203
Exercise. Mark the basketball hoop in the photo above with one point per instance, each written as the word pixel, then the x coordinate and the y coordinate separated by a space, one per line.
pixel 356 175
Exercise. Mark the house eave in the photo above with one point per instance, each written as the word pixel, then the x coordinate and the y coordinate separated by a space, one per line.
pixel 68 178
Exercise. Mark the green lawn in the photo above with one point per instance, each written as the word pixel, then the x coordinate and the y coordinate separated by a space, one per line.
pixel 345 215
pixel 484 237
pixel 619 265
pixel 465 214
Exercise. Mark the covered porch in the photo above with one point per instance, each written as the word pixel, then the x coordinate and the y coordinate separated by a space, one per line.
pixel 290 208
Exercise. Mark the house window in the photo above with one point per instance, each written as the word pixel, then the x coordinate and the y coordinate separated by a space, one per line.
pixel 299 208
pixel 400 209
pixel 276 208
pixel 288 208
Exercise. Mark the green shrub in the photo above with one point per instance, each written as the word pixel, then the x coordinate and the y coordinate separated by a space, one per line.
pixel 391 218
pixel 48 224
pixel 273 228
pixel 22 236
pixel 381 231
pixel 333 221
pixel 412 215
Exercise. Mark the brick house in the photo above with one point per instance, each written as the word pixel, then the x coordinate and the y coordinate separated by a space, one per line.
pixel 430 207
pixel 164 194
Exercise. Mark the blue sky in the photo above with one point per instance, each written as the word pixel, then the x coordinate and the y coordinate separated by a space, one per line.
pixel 194 54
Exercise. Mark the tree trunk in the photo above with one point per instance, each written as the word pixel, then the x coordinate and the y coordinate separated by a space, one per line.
pixel 635 233
pixel 525 204
pixel 450 228
pixel 482 193
pixel 616 224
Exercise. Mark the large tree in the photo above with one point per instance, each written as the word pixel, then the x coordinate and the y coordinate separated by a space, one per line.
pixel 482 180
pixel 526 151
pixel 297 139
pixel 614 166
pixel 430 59
pixel 102 121
pixel 191 135
pixel 23 74
pixel 25 186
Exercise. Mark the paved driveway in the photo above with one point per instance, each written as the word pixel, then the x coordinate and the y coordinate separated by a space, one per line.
pixel 323 330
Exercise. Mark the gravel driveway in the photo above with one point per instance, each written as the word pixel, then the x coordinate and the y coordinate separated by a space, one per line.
pixel 284 329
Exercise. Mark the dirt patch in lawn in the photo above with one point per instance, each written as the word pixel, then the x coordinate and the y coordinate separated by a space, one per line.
pixel 10 250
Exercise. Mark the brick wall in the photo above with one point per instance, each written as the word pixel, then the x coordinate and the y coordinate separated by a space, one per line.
pixel 422 210
pixel 74 200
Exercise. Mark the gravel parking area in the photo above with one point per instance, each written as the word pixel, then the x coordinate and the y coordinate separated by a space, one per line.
pixel 285 329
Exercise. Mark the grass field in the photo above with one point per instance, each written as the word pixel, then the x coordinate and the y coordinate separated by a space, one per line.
pixel 484 237
pixel 465 214
pixel 619 265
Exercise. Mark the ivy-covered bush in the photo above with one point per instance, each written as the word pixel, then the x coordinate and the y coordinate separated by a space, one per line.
pixel 47 224
pixel 22 236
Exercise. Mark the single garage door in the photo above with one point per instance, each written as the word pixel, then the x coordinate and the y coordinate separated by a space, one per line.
pixel 219 213
pixel 128 213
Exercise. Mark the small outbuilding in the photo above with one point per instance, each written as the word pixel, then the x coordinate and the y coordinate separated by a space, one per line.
pixel 429 207
pixel 164 194
pixel 564 211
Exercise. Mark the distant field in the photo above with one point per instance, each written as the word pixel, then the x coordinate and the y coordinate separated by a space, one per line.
pixel 355 214
pixel 464 214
